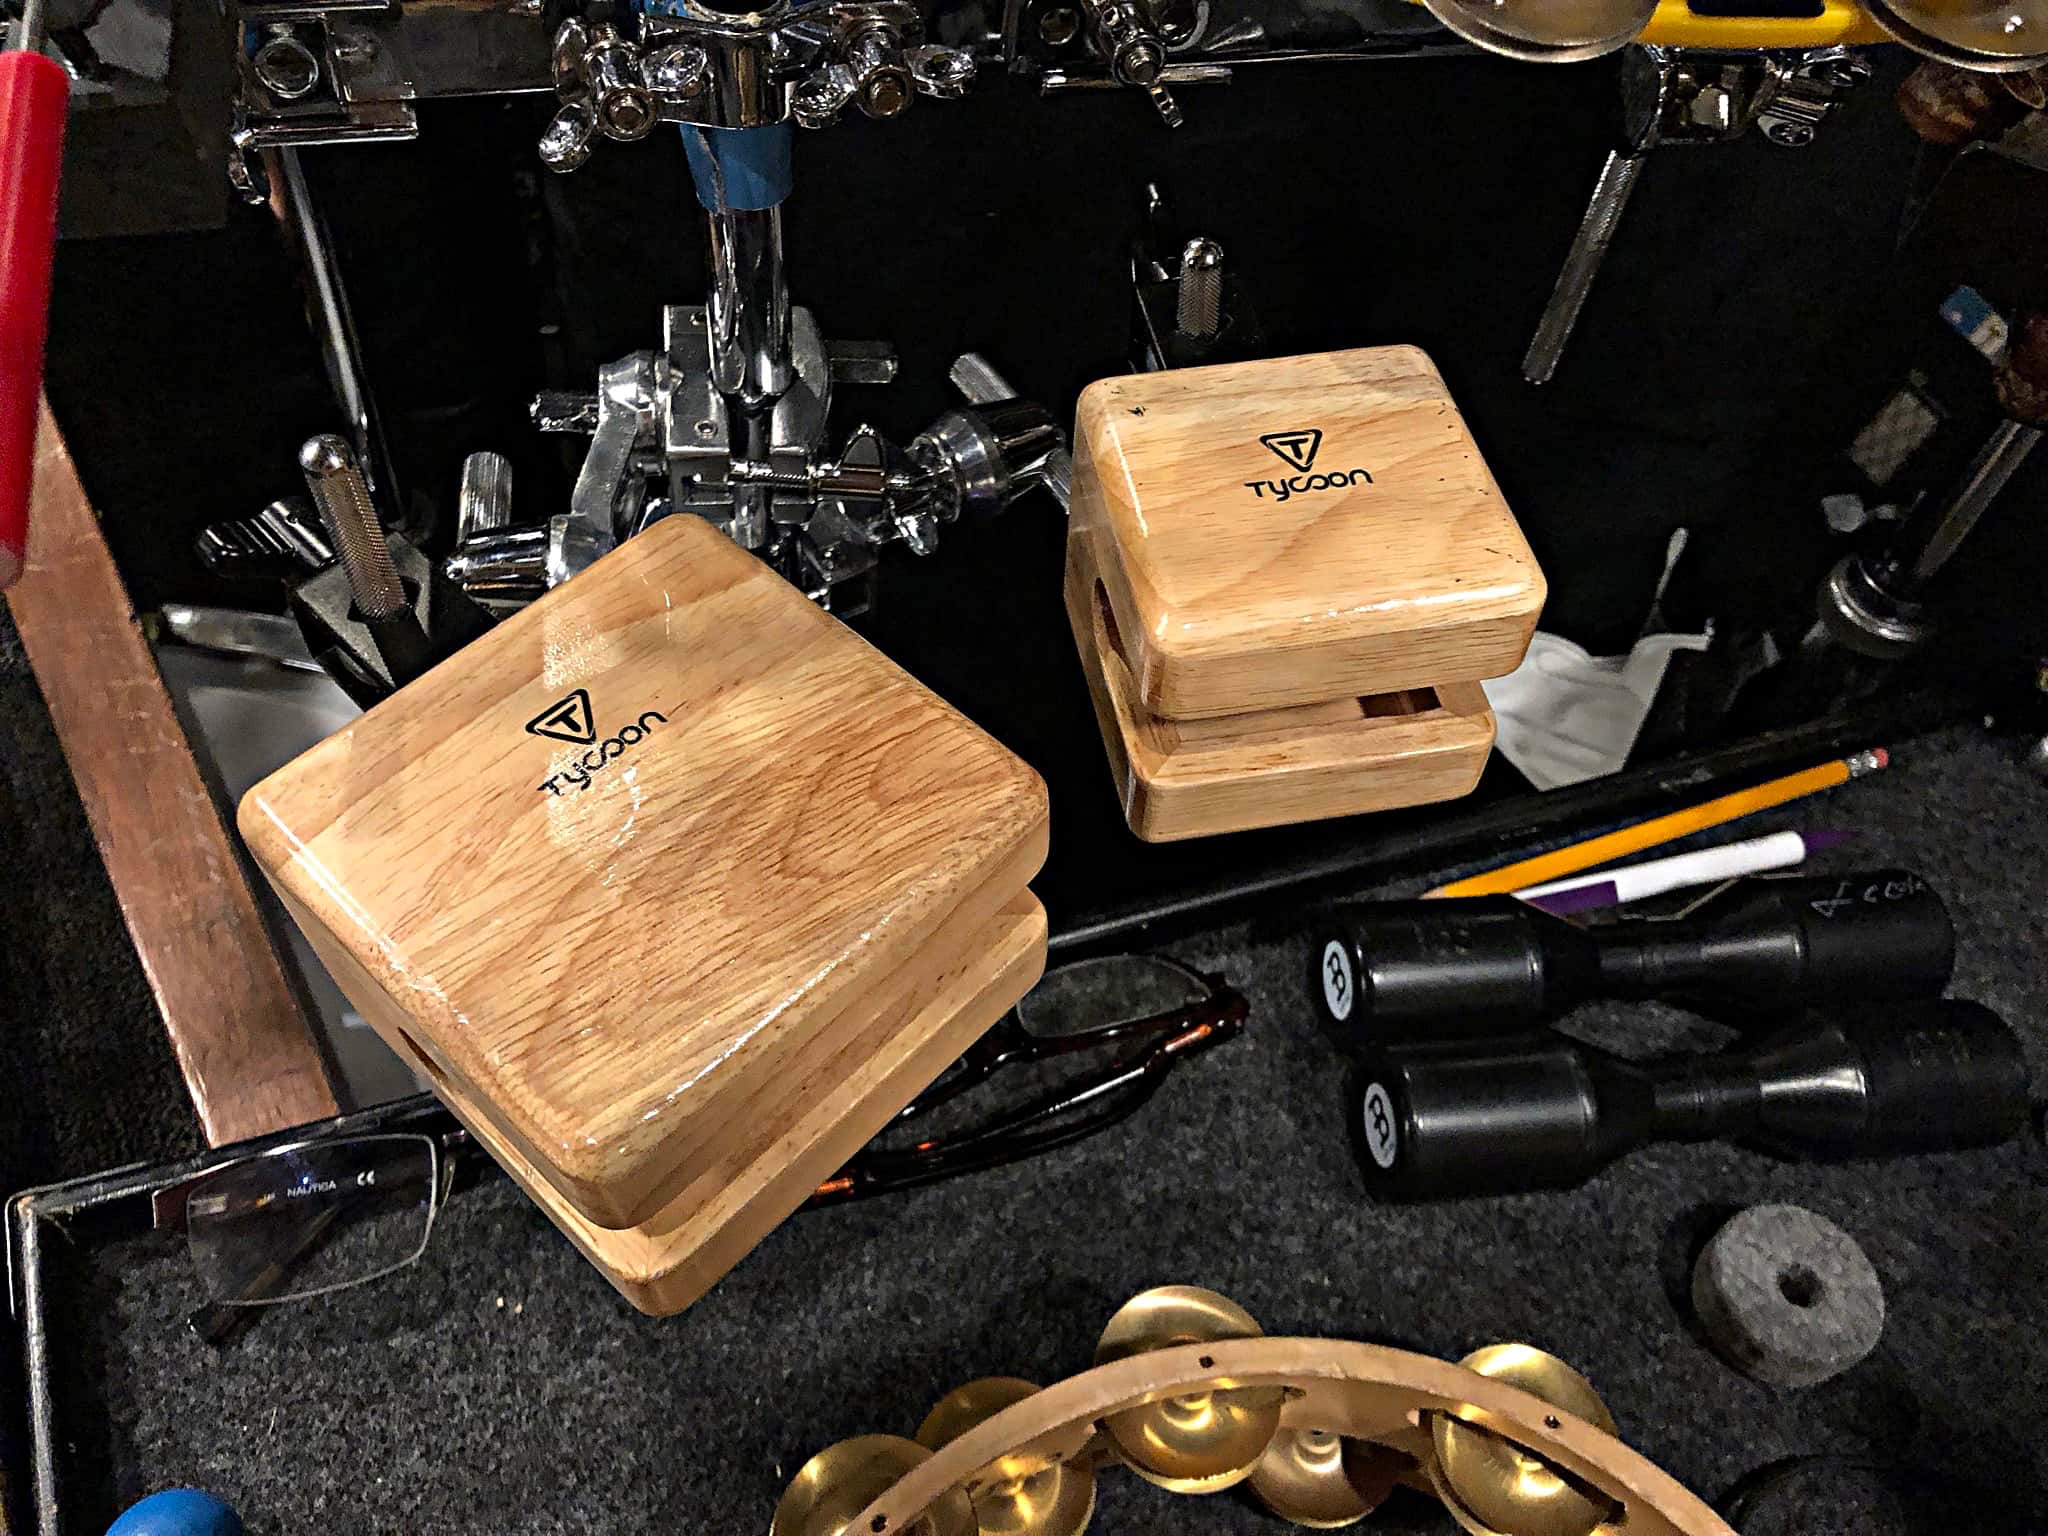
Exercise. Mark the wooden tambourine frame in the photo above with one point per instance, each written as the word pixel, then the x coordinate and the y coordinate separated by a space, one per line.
pixel 1361 1391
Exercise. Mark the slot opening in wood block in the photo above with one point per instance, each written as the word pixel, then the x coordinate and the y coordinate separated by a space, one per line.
pixel 1405 701
pixel 1105 616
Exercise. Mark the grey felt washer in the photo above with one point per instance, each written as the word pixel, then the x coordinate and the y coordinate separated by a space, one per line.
pixel 1787 1297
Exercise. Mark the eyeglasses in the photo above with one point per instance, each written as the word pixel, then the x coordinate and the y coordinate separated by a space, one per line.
pixel 1084 1049
pixel 1103 1032
pixel 308 1218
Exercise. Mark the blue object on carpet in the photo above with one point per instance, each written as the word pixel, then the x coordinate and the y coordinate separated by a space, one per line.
pixel 178 1512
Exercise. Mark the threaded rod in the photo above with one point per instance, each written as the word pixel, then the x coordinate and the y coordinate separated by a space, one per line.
pixel 1198 308
pixel 338 489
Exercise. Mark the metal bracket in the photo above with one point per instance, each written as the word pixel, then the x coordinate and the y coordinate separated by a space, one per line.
pixel 607 493
pixel 694 433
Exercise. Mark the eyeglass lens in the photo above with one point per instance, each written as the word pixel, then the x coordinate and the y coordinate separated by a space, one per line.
pixel 1113 989
pixel 299 1222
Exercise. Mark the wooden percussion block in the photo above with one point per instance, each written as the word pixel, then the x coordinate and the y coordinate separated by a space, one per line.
pixel 667 1262
pixel 1296 531
pixel 1286 579
pixel 669 882
pixel 1264 768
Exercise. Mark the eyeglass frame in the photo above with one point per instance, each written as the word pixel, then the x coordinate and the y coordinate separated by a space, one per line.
pixel 220 1318
pixel 1218 1016
pixel 1167 1036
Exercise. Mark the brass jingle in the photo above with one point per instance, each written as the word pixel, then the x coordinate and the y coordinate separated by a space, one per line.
pixel 1983 38
pixel 1546 31
pixel 1315 1478
pixel 1494 1487
pixel 1472 1524
pixel 834 1486
pixel 1200 1442
pixel 1033 1495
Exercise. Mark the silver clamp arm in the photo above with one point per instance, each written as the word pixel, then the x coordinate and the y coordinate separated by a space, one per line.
pixel 607 494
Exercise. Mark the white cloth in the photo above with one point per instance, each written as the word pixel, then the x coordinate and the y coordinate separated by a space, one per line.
pixel 1566 716
pixel 134 35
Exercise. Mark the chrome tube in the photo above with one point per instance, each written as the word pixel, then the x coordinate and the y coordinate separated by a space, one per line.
pixel 751 362
pixel 502 565
pixel 750 350
pixel 341 352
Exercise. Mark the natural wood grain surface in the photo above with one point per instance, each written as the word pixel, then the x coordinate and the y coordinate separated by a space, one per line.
pixel 928 1016
pixel 1242 581
pixel 1192 778
pixel 1361 1391
pixel 235 1023
pixel 775 818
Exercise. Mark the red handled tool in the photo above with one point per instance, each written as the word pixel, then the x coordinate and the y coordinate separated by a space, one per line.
pixel 33 92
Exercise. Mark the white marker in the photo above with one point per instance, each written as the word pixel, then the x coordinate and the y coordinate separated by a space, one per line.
pixel 1609 888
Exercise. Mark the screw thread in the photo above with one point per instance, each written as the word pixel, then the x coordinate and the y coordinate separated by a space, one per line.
pixel 1198 310
pixel 336 484
pixel 976 378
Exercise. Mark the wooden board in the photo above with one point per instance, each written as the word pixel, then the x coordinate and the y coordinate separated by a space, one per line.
pixel 1298 530
pixel 1192 778
pixel 617 950
pixel 667 1262
pixel 235 1022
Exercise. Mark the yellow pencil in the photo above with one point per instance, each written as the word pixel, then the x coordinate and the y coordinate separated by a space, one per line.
pixel 1664 829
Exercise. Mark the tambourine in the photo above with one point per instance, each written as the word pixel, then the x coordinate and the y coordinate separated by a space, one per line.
pixel 1970 34
pixel 1188 1393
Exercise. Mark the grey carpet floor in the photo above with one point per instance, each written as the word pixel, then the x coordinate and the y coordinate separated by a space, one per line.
pixel 500 1386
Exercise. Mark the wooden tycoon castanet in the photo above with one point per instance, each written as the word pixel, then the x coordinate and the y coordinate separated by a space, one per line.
pixel 675 888
pixel 1286 580
pixel 1263 768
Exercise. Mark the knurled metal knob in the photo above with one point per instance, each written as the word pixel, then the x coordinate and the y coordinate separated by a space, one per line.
pixel 1198 306
pixel 343 497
